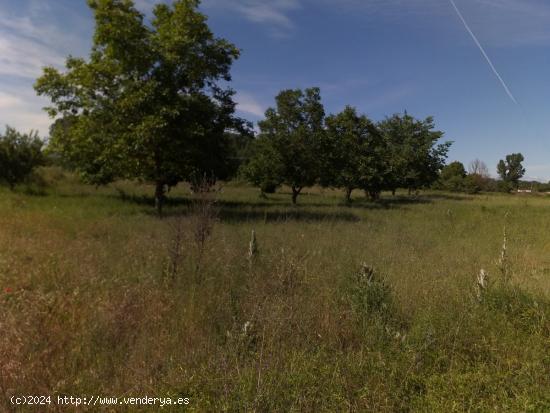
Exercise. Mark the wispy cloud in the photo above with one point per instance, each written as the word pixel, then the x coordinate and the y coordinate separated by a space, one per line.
pixel 26 47
pixel 30 40
pixel 21 108
pixel 502 23
pixel 247 103
pixel 273 14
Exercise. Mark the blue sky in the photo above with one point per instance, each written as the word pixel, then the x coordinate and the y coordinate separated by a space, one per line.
pixel 382 56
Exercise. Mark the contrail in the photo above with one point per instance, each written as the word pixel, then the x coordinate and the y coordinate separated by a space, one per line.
pixel 483 52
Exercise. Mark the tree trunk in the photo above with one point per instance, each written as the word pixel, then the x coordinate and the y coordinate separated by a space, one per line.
pixel 348 195
pixel 159 197
pixel 295 192
pixel 393 192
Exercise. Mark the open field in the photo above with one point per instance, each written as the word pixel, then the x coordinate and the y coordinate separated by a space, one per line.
pixel 100 297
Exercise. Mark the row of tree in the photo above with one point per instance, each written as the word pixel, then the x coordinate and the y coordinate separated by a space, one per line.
pixel 455 178
pixel 152 103
pixel 299 146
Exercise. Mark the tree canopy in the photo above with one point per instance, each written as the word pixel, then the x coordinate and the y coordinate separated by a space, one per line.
pixel 299 147
pixel 353 153
pixel 511 170
pixel 415 159
pixel 287 149
pixel 149 102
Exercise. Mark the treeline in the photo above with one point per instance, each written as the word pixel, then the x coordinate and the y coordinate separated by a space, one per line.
pixel 299 146
pixel 152 103
pixel 510 170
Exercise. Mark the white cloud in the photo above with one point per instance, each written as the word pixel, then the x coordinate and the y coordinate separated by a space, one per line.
pixel 29 42
pixel 8 101
pixel 246 103
pixel 26 47
pixel 22 109
pixel 274 14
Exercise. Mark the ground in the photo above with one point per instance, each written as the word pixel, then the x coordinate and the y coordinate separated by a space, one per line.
pixel 368 307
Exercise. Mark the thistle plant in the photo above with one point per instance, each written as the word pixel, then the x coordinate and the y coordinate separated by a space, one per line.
pixel 503 259
pixel 366 274
pixel 369 293
pixel 252 247
pixel 482 284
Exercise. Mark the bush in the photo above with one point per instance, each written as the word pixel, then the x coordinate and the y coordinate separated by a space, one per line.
pixel 504 186
pixel 20 154
pixel 471 184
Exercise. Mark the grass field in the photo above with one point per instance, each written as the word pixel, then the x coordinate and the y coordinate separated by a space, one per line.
pixel 100 297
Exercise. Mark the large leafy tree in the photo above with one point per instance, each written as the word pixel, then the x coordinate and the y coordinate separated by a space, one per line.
pixel 352 154
pixel 147 103
pixel 511 170
pixel 19 155
pixel 416 158
pixel 288 145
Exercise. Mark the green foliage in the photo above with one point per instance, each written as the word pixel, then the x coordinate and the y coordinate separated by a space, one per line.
pixel 511 170
pixel 452 176
pixel 415 160
pixel 353 153
pixel 265 168
pixel 370 295
pixel 147 103
pixel 289 142
pixel 454 169
pixel 298 147
pixel 504 186
pixel 20 154
pixel 473 184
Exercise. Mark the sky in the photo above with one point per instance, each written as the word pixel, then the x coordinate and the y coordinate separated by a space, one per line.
pixel 481 68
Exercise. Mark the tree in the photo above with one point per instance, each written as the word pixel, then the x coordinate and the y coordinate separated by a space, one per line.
pixel 350 153
pixel 289 141
pixel 477 167
pixel 478 176
pixel 452 176
pixel 147 103
pixel 511 170
pixel 414 158
pixel 19 155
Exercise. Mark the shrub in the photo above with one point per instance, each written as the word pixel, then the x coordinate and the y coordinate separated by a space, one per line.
pixel 20 154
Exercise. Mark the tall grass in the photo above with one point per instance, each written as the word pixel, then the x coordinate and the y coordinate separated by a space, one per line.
pixel 101 297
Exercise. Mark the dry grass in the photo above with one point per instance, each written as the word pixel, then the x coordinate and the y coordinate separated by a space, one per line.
pixel 101 297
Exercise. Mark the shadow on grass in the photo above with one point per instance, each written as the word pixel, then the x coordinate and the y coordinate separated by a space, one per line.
pixel 234 214
pixel 275 209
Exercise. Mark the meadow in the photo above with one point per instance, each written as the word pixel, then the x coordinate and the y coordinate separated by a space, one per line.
pixel 372 307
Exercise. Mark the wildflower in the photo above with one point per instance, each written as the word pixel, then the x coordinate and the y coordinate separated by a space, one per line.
pixel 8 290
